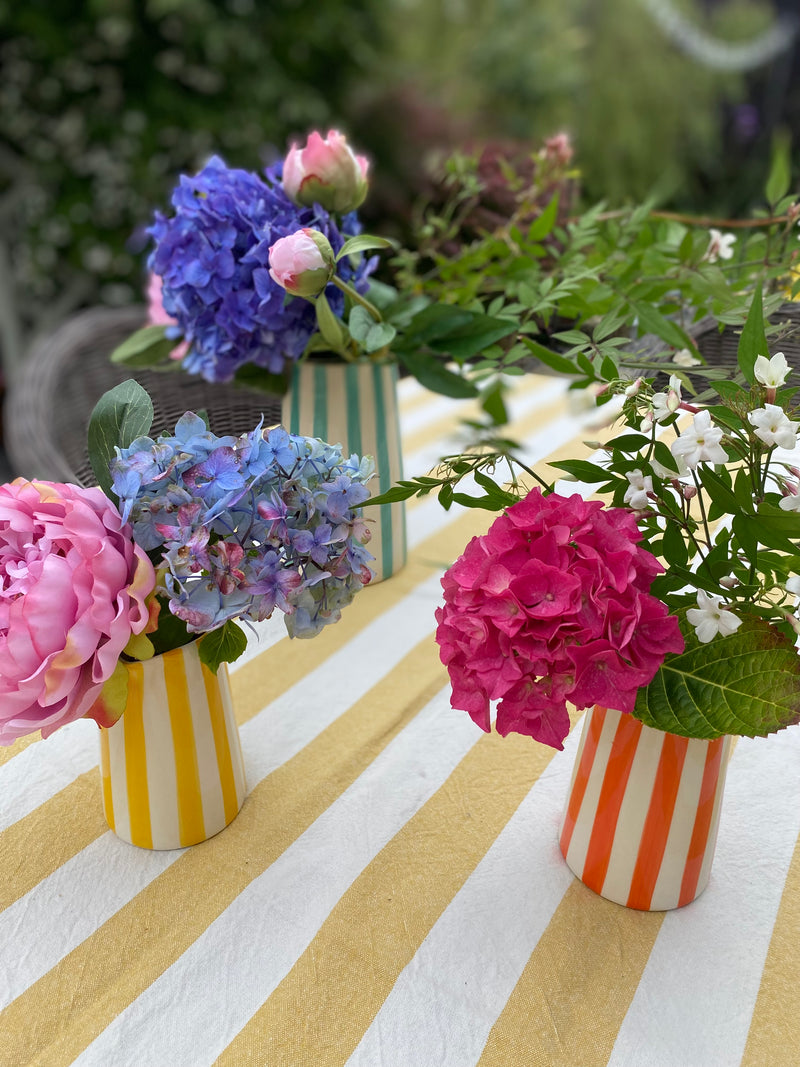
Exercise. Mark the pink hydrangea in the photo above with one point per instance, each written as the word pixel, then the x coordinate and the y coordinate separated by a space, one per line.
pixel 157 315
pixel 552 605
pixel 72 592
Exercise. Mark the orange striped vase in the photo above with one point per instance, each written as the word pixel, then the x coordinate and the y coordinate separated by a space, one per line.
pixel 171 769
pixel 642 813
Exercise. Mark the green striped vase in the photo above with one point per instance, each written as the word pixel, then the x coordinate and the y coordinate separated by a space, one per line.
pixel 355 405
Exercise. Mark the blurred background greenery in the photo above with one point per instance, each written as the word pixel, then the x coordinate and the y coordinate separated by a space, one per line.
pixel 104 102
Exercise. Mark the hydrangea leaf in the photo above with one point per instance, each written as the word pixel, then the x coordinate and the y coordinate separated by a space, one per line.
pixel 747 683
pixel 223 645
pixel 119 417
pixel 146 348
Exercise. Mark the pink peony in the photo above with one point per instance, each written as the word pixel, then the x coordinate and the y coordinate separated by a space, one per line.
pixel 158 316
pixel 326 172
pixel 73 592
pixel 302 262
pixel 552 605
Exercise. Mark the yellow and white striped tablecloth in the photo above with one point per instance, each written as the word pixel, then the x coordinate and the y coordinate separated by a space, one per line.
pixel 391 894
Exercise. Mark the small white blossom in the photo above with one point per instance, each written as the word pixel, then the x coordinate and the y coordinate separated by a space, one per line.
pixel 790 503
pixel 709 618
pixel 700 443
pixel 636 493
pixel 720 246
pixel 773 426
pixel 666 404
pixel 684 358
pixel 793 585
pixel 772 372
pixel 634 387
pixel 646 425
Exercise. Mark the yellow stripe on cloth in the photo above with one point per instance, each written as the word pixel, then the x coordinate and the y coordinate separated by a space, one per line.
pixel 775 1024
pixel 36 845
pixel 57 1017
pixel 559 1014
pixel 7 752
pixel 390 907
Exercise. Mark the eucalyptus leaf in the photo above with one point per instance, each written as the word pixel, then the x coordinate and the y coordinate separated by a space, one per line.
pixel 118 418
pixel 747 683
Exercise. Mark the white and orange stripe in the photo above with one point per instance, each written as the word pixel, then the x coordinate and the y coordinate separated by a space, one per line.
pixel 643 811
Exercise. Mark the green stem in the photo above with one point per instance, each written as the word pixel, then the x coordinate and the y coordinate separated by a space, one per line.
pixel 357 298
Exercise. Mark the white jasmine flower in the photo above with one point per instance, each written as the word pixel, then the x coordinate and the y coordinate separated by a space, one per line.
pixel 684 358
pixel 646 425
pixel 793 585
pixel 773 426
pixel 790 503
pixel 720 246
pixel 709 618
pixel 666 404
pixel 700 443
pixel 636 493
pixel 772 372
pixel 634 387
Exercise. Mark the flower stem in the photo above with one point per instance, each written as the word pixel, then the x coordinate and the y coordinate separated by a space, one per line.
pixel 357 298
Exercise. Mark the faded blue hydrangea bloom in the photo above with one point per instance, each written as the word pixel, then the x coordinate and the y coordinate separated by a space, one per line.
pixel 239 526
pixel 212 255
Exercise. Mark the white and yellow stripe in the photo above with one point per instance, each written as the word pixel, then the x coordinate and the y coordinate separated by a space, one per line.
pixel 171 768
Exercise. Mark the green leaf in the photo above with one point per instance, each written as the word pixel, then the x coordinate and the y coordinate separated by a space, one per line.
pixel 718 489
pixel 582 469
pixel 747 683
pixel 359 323
pixel 629 442
pixel 145 348
pixel 379 335
pixel 550 359
pixel 493 404
pixel 652 321
pixel 119 417
pixel 753 339
pixel 223 645
pixel 543 225
pixel 396 494
pixel 329 326
pixel 780 170
pixel 171 632
pixel 433 322
pixel 663 455
pixel 362 243
pixel 432 373
pixel 473 336
pixel 253 377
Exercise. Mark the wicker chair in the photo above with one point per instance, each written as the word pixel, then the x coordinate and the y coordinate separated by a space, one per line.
pixel 47 411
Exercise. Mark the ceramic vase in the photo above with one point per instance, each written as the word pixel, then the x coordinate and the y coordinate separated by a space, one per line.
pixel 171 768
pixel 355 405
pixel 642 813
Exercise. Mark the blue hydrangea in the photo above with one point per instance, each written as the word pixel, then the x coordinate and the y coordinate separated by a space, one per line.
pixel 239 526
pixel 212 255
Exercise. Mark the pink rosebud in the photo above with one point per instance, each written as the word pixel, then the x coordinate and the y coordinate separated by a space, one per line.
pixel 326 172
pixel 302 262
pixel 73 590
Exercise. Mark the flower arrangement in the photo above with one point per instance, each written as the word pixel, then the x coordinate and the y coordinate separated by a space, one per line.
pixel 704 466
pixel 251 274
pixel 207 530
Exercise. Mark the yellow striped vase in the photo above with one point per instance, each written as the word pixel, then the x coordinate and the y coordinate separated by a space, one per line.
pixel 642 813
pixel 171 768
pixel 355 405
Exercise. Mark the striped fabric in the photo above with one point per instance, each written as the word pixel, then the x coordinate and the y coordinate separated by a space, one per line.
pixel 392 892
pixel 355 405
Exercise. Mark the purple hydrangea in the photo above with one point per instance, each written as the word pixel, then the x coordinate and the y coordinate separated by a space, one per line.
pixel 212 255
pixel 240 526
